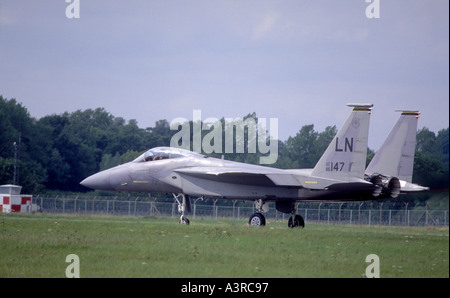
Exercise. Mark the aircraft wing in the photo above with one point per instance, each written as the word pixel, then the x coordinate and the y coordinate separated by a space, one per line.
pixel 245 176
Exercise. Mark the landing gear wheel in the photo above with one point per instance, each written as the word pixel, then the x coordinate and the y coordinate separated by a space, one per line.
pixel 184 205
pixel 257 219
pixel 184 220
pixel 297 222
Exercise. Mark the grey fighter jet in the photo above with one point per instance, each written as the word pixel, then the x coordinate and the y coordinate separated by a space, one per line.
pixel 339 175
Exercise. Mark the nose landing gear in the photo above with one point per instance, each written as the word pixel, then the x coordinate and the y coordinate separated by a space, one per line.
pixel 184 220
pixel 184 205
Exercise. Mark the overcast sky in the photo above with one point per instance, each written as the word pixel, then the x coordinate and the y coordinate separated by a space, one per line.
pixel 299 61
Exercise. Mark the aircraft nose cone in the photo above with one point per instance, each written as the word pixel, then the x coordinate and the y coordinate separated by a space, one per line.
pixel 98 181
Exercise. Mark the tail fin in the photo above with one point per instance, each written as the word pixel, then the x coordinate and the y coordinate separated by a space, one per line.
pixel 345 157
pixel 395 158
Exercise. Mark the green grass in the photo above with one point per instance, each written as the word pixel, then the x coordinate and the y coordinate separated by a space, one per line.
pixel 108 246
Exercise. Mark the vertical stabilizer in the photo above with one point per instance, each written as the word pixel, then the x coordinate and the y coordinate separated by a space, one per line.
pixel 396 156
pixel 345 157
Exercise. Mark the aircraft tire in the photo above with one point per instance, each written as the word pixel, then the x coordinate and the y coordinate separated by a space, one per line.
pixel 184 220
pixel 257 219
pixel 297 222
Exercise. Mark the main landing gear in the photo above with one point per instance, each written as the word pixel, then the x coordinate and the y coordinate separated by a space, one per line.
pixel 296 221
pixel 258 219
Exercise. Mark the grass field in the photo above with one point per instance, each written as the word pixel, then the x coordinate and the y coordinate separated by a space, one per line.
pixel 108 246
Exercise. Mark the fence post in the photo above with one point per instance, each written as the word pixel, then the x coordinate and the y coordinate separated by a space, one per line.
pixel 151 208
pixel 351 212
pixel 173 208
pixel 195 209
pixel 135 205
pixel 318 213
pixel 214 207
pixel 35 200
pixel 406 221
pixel 359 212
pixel 381 216
pixel 328 218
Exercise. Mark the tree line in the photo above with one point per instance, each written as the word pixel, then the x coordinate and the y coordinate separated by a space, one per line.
pixel 56 152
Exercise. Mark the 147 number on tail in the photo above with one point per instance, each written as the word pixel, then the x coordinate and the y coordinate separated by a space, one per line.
pixel 334 166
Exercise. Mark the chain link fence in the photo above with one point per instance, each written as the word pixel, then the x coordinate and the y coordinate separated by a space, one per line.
pixel 360 213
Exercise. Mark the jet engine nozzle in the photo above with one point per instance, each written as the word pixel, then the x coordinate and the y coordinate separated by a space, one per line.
pixel 387 186
pixel 393 187
pixel 377 181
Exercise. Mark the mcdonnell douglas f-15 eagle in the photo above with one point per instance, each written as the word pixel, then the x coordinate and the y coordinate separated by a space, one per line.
pixel 339 175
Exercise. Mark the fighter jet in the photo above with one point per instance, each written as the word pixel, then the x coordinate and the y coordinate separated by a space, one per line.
pixel 392 166
pixel 339 175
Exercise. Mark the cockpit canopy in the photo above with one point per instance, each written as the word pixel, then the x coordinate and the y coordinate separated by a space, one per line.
pixel 160 153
